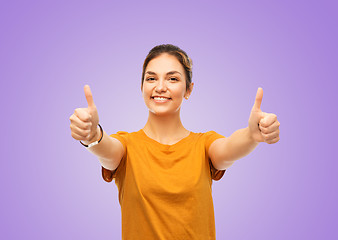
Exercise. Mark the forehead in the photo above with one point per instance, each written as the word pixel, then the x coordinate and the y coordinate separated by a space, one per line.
pixel 165 63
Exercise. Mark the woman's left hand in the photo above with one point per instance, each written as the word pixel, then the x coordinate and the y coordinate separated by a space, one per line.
pixel 263 127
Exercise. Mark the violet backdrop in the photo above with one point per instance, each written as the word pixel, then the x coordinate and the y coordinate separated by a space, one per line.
pixel 51 186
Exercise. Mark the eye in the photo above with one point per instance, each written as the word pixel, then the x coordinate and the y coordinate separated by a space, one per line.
pixel 150 79
pixel 173 79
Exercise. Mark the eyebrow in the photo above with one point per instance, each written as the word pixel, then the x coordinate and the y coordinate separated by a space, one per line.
pixel 168 73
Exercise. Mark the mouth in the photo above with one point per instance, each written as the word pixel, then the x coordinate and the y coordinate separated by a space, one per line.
pixel 160 99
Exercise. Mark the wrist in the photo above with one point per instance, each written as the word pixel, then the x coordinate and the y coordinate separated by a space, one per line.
pixel 97 135
pixel 95 139
pixel 250 136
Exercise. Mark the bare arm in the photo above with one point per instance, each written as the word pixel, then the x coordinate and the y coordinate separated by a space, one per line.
pixel 225 151
pixel 109 151
pixel 84 127
pixel 263 127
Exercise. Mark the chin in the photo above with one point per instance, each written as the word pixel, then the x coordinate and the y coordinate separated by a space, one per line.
pixel 163 113
pixel 158 113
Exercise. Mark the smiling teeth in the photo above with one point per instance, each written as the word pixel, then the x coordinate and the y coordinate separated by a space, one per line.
pixel 159 98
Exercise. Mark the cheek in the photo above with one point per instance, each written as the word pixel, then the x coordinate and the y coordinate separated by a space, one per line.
pixel 178 92
pixel 145 91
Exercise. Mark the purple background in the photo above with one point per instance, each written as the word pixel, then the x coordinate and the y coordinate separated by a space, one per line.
pixel 51 187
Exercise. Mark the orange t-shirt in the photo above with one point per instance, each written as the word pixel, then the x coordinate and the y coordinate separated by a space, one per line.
pixel 165 190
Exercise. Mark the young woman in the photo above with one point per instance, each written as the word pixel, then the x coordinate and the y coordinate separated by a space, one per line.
pixel 164 172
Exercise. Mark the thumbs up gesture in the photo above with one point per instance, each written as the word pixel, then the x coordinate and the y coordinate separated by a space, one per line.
pixel 84 121
pixel 263 127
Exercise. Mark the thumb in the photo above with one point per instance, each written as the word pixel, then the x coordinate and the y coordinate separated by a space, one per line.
pixel 89 96
pixel 258 100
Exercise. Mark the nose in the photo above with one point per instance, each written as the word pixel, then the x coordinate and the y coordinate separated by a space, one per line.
pixel 161 86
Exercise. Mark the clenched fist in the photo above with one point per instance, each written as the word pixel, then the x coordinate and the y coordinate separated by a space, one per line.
pixel 264 127
pixel 84 121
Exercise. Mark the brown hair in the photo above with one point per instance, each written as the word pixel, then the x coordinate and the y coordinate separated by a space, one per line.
pixel 181 56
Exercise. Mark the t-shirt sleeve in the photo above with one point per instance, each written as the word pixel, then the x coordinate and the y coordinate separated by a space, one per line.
pixel 109 175
pixel 211 136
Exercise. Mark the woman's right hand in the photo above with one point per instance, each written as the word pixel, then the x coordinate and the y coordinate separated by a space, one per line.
pixel 84 121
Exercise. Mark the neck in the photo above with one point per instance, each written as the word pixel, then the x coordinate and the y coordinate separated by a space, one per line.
pixel 166 128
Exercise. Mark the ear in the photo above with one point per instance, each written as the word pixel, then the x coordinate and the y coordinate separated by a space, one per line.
pixel 188 92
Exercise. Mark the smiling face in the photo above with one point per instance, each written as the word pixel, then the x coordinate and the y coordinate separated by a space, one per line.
pixel 164 85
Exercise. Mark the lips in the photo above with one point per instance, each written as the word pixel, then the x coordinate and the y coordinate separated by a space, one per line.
pixel 160 97
pixel 160 100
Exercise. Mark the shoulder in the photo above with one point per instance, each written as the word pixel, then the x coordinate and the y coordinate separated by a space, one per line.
pixel 208 137
pixel 207 134
pixel 124 136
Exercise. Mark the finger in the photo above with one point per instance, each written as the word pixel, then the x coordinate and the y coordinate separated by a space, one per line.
pixel 77 137
pixel 273 127
pixel 268 119
pixel 80 132
pixel 79 123
pixel 270 136
pixel 258 100
pixel 273 140
pixel 89 96
pixel 83 114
